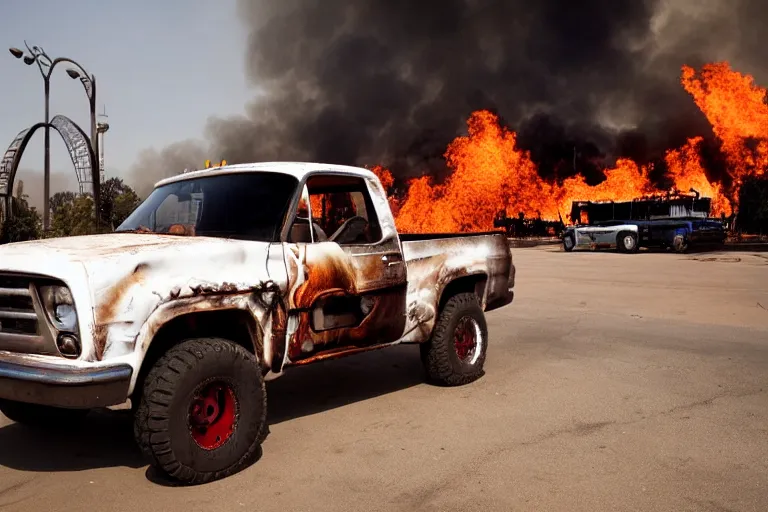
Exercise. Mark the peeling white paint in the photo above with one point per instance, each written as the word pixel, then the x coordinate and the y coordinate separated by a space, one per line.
pixel 126 286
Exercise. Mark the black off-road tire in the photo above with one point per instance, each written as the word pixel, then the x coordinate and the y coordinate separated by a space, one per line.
pixel 623 244
pixel 569 242
pixel 163 419
pixel 439 354
pixel 42 416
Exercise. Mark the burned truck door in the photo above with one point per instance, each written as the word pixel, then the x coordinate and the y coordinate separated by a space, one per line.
pixel 350 288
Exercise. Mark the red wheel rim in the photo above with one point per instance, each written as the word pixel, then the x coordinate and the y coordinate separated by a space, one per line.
pixel 213 415
pixel 466 339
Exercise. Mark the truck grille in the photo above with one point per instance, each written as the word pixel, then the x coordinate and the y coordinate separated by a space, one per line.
pixel 17 310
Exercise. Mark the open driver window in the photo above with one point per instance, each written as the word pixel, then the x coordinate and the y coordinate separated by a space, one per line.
pixel 342 210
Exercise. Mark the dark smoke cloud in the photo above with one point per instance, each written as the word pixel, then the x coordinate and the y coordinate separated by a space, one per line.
pixel 393 81
pixel 153 165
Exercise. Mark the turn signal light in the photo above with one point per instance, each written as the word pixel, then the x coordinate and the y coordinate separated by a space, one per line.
pixel 69 345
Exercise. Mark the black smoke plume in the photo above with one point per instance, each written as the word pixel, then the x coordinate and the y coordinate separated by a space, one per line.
pixel 392 81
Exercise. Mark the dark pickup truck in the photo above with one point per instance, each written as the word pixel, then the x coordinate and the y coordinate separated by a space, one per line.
pixel 680 234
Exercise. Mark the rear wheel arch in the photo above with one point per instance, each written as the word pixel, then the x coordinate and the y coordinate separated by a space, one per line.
pixel 473 283
pixel 233 324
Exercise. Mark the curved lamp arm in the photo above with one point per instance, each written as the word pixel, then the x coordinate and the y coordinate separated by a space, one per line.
pixel 42 59
pixel 46 65
pixel 86 79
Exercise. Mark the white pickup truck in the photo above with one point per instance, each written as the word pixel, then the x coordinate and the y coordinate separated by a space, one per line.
pixel 220 280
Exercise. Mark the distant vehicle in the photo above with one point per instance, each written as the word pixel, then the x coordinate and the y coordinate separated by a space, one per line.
pixel 681 234
pixel 675 221
pixel 628 236
pixel 609 235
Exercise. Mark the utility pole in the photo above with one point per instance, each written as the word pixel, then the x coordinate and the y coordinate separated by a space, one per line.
pixel 101 128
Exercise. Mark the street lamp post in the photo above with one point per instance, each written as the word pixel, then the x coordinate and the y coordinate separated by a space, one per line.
pixel 46 66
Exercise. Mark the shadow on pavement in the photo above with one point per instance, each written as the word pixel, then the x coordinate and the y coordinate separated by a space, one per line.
pixel 105 438
pixel 159 478
pixel 328 385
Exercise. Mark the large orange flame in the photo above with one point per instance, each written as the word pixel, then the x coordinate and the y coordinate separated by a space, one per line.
pixel 685 168
pixel 736 108
pixel 490 172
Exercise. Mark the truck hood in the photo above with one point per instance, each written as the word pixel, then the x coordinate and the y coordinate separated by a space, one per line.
pixel 92 247
pixel 122 277
pixel 108 258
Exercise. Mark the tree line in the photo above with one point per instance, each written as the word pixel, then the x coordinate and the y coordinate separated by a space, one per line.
pixel 71 214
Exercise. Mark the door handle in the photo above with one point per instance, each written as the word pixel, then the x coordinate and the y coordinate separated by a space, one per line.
pixel 386 259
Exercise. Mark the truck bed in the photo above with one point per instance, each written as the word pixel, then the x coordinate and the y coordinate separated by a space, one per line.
pixel 435 259
pixel 417 237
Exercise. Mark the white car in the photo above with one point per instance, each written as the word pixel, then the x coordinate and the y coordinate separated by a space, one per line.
pixel 607 235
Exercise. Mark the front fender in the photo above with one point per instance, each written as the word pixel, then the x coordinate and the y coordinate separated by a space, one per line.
pixel 267 316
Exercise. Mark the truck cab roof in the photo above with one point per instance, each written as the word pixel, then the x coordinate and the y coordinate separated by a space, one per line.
pixel 296 169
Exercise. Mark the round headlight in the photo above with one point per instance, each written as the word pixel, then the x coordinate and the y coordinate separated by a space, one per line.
pixel 58 304
pixel 65 316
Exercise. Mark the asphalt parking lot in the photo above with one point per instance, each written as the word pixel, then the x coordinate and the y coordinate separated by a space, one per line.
pixel 614 382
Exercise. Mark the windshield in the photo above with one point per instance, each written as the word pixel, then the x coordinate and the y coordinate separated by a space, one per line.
pixel 247 206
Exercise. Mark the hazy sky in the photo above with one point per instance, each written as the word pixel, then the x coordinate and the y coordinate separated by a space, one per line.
pixel 162 67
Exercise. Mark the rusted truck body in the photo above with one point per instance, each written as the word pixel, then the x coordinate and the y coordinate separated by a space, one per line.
pixel 220 280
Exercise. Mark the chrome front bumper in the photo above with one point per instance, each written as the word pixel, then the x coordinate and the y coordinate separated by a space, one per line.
pixel 63 386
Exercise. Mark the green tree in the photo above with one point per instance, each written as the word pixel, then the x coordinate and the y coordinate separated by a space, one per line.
pixel 25 222
pixel 61 198
pixel 118 201
pixel 73 216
